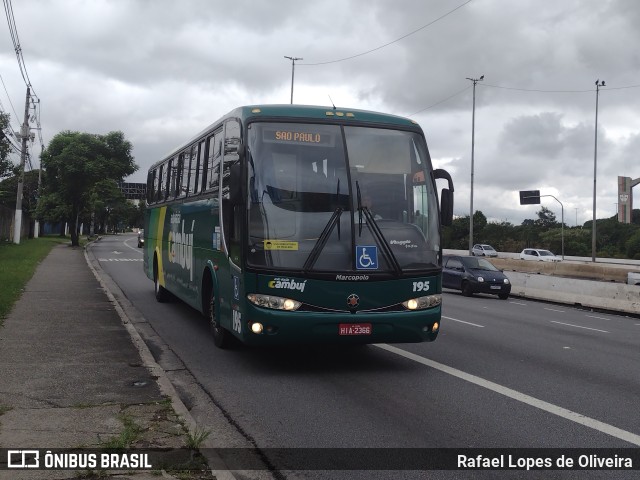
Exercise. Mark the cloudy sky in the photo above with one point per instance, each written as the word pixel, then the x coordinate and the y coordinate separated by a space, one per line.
pixel 162 70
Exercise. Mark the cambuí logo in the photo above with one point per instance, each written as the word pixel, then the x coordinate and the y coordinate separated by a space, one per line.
pixel 181 244
pixel 287 284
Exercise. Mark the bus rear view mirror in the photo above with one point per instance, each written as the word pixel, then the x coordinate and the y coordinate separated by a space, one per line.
pixel 446 197
pixel 235 183
pixel 446 207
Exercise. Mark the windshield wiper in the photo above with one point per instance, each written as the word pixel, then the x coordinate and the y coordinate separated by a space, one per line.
pixel 375 229
pixel 322 240
pixel 384 246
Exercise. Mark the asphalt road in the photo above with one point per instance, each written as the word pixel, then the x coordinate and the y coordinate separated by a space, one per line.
pixel 502 374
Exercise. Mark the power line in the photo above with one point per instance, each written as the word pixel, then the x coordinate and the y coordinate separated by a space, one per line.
pixel 518 90
pixel 390 43
pixel 554 91
pixel 10 102
pixel 441 101
pixel 13 30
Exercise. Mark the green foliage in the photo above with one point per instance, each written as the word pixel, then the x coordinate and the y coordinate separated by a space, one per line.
pixel 9 190
pixel 78 167
pixel 633 245
pixel 17 264
pixel 6 166
pixel 614 239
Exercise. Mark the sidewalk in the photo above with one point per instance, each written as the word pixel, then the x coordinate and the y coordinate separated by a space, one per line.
pixel 72 376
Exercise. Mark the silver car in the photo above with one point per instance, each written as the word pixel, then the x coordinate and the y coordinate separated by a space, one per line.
pixel 539 255
pixel 483 250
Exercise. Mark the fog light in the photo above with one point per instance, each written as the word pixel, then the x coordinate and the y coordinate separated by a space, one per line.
pixel 435 327
pixel 256 327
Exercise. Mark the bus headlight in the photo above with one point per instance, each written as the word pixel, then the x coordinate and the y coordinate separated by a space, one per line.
pixel 420 303
pixel 275 303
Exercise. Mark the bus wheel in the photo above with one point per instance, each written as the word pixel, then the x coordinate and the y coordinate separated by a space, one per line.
pixel 220 335
pixel 162 295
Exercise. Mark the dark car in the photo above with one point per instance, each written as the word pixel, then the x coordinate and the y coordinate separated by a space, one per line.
pixel 474 275
pixel 140 238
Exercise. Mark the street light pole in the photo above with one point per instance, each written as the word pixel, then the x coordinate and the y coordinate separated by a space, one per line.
pixel 595 163
pixel 293 67
pixel 473 136
pixel 562 220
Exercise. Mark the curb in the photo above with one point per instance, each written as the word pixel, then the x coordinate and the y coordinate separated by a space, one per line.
pixel 165 385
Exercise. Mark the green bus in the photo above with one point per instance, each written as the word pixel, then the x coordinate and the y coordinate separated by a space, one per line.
pixel 292 224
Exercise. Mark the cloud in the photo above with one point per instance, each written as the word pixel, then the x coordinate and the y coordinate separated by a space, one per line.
pixel 160 71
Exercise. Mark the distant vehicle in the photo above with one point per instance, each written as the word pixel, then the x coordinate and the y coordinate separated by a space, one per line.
pixel 474 275
pixel 140 238
pixel 483 250
pixel 539 255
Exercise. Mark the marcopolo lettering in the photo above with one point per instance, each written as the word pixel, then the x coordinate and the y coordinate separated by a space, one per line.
pixel 355 278
pixel 287 284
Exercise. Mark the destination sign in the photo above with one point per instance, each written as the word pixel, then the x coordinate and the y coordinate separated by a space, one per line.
pixel 299 137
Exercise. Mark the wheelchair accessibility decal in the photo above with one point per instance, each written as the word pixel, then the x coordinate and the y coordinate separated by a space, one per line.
pixel 367 257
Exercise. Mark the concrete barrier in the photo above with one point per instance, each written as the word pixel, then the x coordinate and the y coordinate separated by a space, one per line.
pixel 586 293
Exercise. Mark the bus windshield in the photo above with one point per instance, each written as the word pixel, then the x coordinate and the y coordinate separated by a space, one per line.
pixel 327 198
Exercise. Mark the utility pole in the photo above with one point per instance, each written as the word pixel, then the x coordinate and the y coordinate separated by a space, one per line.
pixel 293 68
pixel 473 137
pixel 24 134
pixel 595 163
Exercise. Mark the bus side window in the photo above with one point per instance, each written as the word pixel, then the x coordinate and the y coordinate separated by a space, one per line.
pixel 196 167
pixel 151 185
pixel 213 162
pixel 186 166
pixel 231 214
pixel 171 179
pixel 160 184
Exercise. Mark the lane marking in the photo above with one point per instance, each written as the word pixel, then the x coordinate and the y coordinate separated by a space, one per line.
pixel 578 326
pixel 598 318
pixel 462 321
pixel 520 397
pixel 119 259
pixel 554 310
pixel 518 303
pixel 135 249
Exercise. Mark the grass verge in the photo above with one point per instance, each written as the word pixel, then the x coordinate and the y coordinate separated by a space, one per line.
pixel 17 264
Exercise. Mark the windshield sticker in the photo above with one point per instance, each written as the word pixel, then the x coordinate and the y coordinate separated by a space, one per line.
pixel 280 245
pixel 403 243
pixel 366 257
pixel 287 284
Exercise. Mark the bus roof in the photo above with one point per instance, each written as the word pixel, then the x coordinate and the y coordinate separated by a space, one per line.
pixel 301 112
pixel 319 112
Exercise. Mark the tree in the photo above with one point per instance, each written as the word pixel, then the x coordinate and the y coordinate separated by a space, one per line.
pixel 9 189
pixel 546 218
pixel 6 167
pixel 75 163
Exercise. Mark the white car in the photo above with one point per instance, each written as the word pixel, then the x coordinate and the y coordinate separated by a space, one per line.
pixel 539 255
pixel 483 250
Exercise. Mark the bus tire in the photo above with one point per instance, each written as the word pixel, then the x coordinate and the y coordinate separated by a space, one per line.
pixel 221 337
pixel 162 294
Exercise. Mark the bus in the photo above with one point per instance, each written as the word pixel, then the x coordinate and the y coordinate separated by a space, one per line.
pixel 292 224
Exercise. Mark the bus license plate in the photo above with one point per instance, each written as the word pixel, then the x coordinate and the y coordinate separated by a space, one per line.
pixel 354 329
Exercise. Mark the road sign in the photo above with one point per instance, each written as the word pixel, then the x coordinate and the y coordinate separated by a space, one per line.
pixel 529 197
